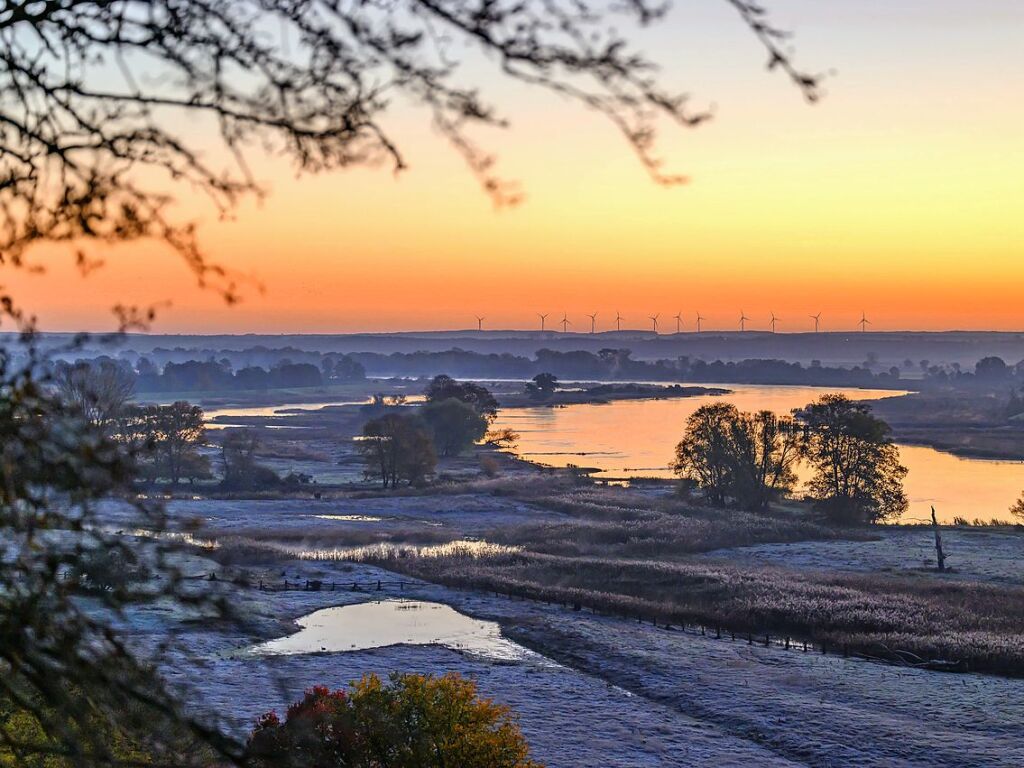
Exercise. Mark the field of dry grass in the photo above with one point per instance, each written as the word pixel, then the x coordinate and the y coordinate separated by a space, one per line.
pixel 629 553
pixel 613 522
pixel 967 626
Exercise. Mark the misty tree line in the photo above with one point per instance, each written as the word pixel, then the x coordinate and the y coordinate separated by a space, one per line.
pixel 217 375
pixel 192 370
pixel 990 373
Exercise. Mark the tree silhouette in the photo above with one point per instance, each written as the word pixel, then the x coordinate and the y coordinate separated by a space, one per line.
pixel 857 477
pixel 96 94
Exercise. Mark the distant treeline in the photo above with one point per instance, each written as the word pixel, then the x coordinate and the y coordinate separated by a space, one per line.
pixel 219 375
pixel 618 365
pixel 288 367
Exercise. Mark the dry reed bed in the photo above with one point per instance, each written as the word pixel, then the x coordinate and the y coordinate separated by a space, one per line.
pixel 610 523
pixel 980 627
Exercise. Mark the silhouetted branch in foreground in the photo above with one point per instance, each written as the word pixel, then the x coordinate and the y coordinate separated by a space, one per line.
pixel 107 105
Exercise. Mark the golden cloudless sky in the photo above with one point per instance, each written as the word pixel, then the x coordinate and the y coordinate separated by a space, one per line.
pixel 901 194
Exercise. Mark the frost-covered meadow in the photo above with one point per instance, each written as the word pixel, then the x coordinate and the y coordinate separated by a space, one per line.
pixel 608 691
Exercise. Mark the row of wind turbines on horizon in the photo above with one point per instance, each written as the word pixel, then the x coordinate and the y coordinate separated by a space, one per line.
pixel 699 320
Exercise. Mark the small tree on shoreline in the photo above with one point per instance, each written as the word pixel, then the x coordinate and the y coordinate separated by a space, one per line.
pixel 1017 510
pixel 858 477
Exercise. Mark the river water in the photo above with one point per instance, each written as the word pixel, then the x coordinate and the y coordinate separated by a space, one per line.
pixel 637 438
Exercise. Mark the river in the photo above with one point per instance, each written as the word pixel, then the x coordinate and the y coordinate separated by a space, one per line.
pixel 637 438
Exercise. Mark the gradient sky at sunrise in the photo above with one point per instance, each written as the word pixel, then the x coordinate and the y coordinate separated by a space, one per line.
pixel 901 194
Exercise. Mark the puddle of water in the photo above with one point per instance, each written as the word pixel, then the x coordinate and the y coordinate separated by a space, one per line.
pixel 364 626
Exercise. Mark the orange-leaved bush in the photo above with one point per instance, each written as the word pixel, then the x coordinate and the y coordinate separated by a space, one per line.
pixel 411 721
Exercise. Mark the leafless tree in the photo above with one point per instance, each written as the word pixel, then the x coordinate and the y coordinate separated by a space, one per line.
pixel 99 391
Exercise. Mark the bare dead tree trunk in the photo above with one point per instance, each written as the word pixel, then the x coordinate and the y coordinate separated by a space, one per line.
pixel 940 555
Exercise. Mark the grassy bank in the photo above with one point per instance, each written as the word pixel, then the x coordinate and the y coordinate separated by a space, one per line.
pixel 969 424
pixel 630 553
pixel 964 626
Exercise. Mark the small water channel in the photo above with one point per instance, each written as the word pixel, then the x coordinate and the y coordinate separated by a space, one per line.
pixel 220 418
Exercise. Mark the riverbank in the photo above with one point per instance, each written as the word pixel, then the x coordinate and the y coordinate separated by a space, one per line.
pixel 283 397
pixel 602 394
pixel 972 425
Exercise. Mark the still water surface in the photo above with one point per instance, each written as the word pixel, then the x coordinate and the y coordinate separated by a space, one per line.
pixel 220 418
pixel 636 438
pixel 395 622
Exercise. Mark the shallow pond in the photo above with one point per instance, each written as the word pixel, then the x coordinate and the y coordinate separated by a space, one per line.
pixel 380 624
pixel 637 438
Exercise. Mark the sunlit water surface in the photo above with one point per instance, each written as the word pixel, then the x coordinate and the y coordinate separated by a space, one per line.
pixel 396 622
pixel 637 438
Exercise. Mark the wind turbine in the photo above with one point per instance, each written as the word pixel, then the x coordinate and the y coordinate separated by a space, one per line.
pixel 593 322
pixel 654 319
pixel 774 321
pixel 618 321
pixel 743 321
pixel 679 322
pixel 543 318
pixel 864 322
pixel 566 322
pixel 479 322
pixel 817 321
pixel 700 319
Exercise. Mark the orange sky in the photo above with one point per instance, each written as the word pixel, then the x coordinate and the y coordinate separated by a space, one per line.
pixel 901 194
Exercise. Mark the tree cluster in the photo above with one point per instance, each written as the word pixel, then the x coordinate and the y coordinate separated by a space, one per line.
pixel 166 440
pixel 616 364
pixel 107 377
pixel 403 444
pixel 396 450
pixel 542 386
pixel 745 458
pixel 444 387
pixel 750 459
pixel 242 470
